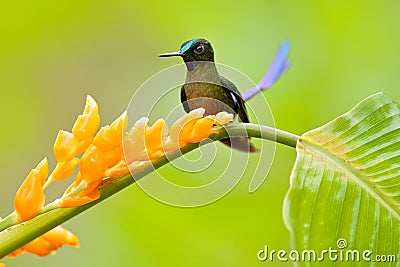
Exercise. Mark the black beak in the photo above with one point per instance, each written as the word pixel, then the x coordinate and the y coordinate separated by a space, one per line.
pixel 173 54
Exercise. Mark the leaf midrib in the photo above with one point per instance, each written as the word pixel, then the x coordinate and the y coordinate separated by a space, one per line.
pixel 380 196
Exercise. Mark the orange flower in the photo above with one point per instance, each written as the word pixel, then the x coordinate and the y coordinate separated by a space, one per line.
pixel 200 130
pixel 222 118
pixel 114 156
pixel 68 145
pixel 118 169
pixel 155 135
pixel 87 195
pixel 63 170
pixel 177 127
pixel 65 146
pixel 187 129
pixel 16 253
pixel 48 243
pixel 104 139
pixel 143 143
pixel 87 123
pixel 174 141
pixel 60 236
pixel 197 129
pixel 134 144
pixel 83 145
pixel 110 136
pixel 92 164
pixel 30 197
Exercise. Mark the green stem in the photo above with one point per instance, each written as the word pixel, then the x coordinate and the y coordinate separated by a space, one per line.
pixel 20 234
pixel 263 132
pixel 8 221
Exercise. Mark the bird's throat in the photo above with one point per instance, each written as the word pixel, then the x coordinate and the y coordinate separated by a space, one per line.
pixel 201 71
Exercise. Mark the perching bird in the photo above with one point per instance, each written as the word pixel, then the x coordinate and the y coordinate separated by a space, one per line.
pixel 205 88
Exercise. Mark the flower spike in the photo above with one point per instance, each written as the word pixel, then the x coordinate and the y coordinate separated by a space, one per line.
pixel 112 152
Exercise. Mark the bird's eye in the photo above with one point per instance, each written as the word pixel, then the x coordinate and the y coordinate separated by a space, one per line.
pixel 199 49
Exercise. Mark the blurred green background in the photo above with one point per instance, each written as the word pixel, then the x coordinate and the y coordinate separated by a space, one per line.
pixel 54 53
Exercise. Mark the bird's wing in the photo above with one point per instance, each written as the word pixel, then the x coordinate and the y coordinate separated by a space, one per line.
pixel 237 98
pixel 184 100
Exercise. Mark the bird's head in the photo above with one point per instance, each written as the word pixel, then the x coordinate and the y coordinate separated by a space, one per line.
pixel 197 49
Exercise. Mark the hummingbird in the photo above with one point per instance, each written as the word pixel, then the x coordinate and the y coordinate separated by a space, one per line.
pixel 205 88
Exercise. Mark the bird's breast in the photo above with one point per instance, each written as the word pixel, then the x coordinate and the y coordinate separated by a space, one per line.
pixel 212 97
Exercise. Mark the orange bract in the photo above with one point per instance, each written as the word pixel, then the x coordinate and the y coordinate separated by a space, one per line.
pixel 92 164
pixel 110 136
pixel 48 243
pixel 65 146
pixel 118 169
pixel 155 135
pixel 83 145
pixel 134 144
pixel 143 143
pixel 186 130
pixel 30 197
pixel 64 169
pixel 112 157
pixel 89 194
pixel 87 123
pixel 200 130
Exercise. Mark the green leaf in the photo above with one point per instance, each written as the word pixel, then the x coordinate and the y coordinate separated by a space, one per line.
pixel 346 185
